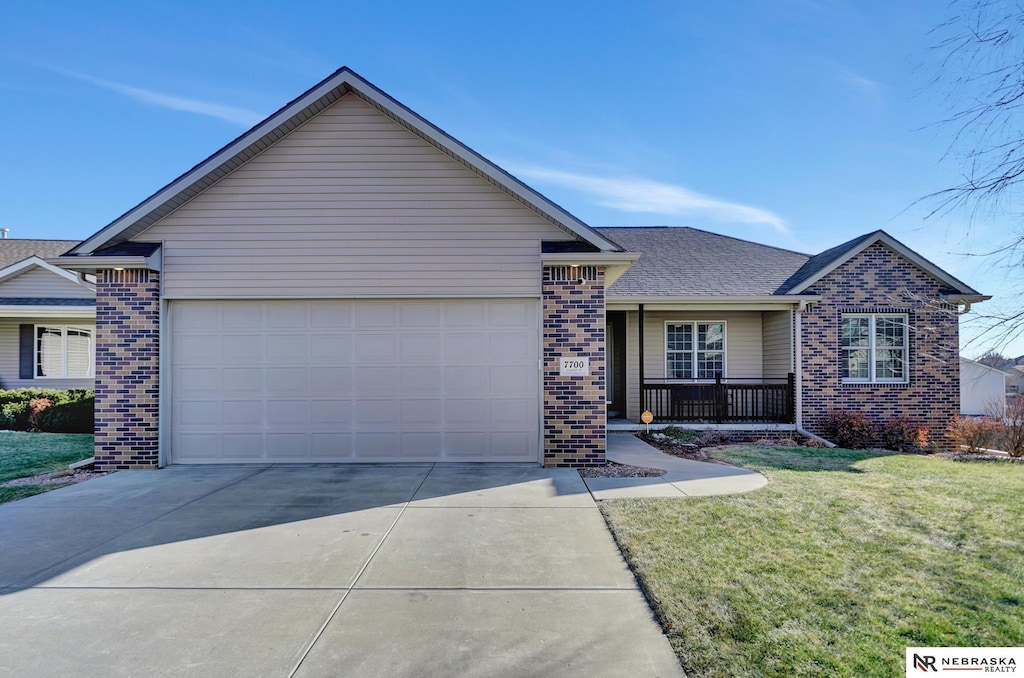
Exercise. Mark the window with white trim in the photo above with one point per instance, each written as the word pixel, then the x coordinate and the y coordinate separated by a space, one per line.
pixel 694 350
pixel 874 348
pixel 64 351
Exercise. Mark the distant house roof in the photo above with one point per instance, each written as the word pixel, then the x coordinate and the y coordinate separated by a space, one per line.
pixel 688 262
pixel 13 250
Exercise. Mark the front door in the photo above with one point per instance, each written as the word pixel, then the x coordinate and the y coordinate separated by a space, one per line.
pixel 615 350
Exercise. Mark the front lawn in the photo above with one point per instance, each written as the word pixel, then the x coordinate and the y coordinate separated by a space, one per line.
pixel 23 455
pixel 842 561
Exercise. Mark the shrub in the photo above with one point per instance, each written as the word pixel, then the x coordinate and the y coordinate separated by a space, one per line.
pixel 47 409
pixel 71 417
pixel 849 428
pixel 1012 435
pixel 681 435
pixel 900 434
pixel 15 416
pixel 36 407
pixel 974 433
pixel 712 438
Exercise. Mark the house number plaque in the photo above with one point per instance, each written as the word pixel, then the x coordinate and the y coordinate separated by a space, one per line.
pixel 575 367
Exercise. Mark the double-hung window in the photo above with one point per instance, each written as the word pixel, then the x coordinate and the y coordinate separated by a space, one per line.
pixel 63 351
pixel 874 348
pixel 694 350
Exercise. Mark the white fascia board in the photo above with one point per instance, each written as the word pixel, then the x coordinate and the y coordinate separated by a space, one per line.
pixel 87 264
pixel 12 311
pixel 895 246
pixel 345 77
pixel 21 266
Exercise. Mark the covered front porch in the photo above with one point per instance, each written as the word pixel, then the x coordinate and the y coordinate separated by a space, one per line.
pixel 725 363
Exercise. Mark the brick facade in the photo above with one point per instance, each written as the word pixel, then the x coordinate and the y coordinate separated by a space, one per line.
pixel 879 281
pixel 574 407
pixel 127 369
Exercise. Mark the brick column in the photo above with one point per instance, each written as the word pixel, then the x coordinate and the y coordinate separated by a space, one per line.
pixel 127 369
pixel 574 407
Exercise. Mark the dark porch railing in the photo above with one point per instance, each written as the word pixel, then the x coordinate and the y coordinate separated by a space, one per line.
pixel 722 401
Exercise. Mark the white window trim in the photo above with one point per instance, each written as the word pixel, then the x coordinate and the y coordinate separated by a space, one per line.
pixel 64 350
pixel 871 379
pixel 694 323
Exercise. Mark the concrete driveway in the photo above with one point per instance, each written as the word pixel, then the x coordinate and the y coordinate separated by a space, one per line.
pixel 412 570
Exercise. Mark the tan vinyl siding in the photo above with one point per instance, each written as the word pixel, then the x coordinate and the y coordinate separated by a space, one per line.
pixel 742 341
pixel 38 282
pixel 351 204
pixel 744 347
pixel 9 354
pixel 778 343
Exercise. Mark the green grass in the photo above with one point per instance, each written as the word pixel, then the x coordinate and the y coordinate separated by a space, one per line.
pixel 28 454
pixel 842 561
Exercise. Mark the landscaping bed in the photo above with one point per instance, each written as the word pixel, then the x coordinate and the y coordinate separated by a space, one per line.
pixel 845 559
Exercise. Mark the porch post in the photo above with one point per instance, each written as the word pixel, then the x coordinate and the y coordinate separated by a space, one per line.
pixel 640 320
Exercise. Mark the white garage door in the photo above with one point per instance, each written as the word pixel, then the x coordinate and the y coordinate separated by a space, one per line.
pixel 327 381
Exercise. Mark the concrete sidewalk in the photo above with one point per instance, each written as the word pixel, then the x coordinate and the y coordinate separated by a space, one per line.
pixel 683 477
pixel 411 570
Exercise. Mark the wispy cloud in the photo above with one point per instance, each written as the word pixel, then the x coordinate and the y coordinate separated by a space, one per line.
pixel 869 89
pixel 631 194
pixel 236 116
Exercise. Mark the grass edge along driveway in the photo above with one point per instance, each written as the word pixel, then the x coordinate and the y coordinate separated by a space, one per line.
pixel 846 558
pixel 23 455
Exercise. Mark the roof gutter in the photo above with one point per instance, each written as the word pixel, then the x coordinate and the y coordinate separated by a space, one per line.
pixel 964 299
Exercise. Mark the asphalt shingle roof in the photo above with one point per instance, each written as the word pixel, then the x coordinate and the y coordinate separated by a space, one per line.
pixel 823 260
pixel 688 262
pixel 13 250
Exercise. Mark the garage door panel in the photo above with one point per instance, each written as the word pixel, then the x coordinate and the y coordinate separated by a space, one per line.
pixel 242 412
pixel 247 380
pixel 287 348
pixel 247 317
pixel 354 381
pixel 378 315
pixel 336 413
pixel 239 349
pixel 412 315
pixel 283 381
pixel 330 381
pixel 330 349
pixel 337 314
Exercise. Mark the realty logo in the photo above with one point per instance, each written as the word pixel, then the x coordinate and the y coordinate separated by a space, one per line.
pixel 924 662
pixel 971 659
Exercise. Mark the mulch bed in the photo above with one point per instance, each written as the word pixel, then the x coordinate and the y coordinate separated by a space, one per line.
pixel 612 469
pixel 689 451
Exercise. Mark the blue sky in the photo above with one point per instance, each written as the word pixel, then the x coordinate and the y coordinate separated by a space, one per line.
pixel 796 123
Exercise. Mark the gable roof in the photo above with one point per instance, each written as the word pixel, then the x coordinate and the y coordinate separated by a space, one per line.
pixel 820 265
pixel 13 250
pixel 688 262
pixel 292 115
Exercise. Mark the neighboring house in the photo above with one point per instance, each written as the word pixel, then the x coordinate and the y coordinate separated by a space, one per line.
pixel 47 318
pixel 982 389
pixel 1015 380
pixel 346 282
